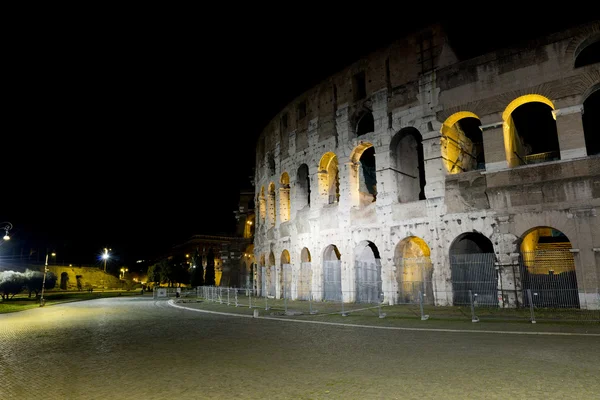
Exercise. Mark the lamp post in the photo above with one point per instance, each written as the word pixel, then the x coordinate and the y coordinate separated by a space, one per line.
pixel 42 301
pixel 7 226
pixel 105 257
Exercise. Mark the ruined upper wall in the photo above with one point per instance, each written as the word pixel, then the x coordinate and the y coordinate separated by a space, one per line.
pixel 483 81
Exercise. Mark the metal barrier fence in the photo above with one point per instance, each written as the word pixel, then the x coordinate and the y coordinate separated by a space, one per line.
pixel 543 286
pixel 421 308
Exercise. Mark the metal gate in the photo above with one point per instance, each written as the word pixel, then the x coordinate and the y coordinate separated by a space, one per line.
pixel 413 275
pixel 332 280
pixel 287 281
pixel 368 282
pixel 550 275
pixel 475 272
pixel 272 278
pixel 305 281
pixel 263 281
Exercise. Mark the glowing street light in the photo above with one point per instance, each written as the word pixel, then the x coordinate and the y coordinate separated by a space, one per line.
pixel 105 256
pixel 7 226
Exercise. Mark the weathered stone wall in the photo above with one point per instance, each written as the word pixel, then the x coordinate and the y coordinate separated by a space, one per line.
pixel 502 202
pixel 94 277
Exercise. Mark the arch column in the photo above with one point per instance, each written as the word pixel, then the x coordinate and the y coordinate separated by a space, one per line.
pixel 493 147
pixel 569 126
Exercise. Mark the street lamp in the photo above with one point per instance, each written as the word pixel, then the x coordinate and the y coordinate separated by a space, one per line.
pixel 7 226
pixel 42 301
pixel 105 256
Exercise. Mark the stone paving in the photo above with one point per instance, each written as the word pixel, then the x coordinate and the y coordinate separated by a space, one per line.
pixel 141 348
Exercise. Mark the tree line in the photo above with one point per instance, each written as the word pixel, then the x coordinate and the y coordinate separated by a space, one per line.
pixel 14 282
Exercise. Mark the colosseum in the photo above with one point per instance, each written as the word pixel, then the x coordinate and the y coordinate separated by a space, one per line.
pixel 412 175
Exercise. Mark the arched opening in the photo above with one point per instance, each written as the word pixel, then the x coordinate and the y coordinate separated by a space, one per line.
pixel 261 278
pixel 591 121
pixel 367 184
pixel 588 52
pixel 367 266
pixel 64 281
pixel 303 187
pixel 329 179
pixel 271 162
pixel 365 124
pixel 332 274
pixel 286 275
pixel 462 143
pixel 548 269
pixel 284 197
pixel 414 271
pixel 530 134
pixel 305 279
pixel 262 201
pixel 473 270
pixel 271 276
pixel 271 204
pixel 247 272
pixel 408 165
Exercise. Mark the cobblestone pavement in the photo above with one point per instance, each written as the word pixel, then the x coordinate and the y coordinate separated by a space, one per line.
pixel 140 348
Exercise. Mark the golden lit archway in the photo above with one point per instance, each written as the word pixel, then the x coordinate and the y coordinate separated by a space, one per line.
pixel 414 271
pixel 363 177
pixel 329 182
pixel 462 143
pixel 262 204
pixel 284 197
pixel 522 148
pixel 548 269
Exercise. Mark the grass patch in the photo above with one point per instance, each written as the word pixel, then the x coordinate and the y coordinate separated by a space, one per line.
pixel 22 302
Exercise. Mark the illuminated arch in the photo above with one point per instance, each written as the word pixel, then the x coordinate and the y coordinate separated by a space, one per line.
pixel 515 149
pixel 414 270
pixel 363 179
pixel 359 150
pixel 262 204
pixel 304 286
pixel 284 197
pixel 329 181
pixel 285 257
pixel 519 101
pixel 454 118
pixel 548 268
pixel 462 143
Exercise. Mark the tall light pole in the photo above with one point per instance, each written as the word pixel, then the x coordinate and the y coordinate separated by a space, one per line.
pixel 7 226
pixel 105 257
pixel 42 301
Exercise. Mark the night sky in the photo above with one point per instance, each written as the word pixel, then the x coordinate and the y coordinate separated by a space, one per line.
pixel 137 130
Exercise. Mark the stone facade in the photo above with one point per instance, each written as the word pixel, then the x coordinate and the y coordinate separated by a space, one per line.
pixel 411 156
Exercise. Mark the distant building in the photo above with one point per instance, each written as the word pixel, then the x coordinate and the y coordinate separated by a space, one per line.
pixel 233 254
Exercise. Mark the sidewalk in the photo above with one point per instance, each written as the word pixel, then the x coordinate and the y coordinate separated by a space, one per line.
pixel 397 317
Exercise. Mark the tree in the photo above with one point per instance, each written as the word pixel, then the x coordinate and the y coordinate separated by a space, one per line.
pixel 11 283
pixel 35 279
pixel 210 268
pixel 197 278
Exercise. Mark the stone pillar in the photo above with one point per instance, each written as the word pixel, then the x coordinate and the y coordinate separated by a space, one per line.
pixel 569 126
pixel 493 147
pixel 588 280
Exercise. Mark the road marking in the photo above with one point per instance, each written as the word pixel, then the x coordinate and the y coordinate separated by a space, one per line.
pixel 394 328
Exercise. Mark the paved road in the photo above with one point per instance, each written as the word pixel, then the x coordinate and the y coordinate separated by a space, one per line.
pixel 140 348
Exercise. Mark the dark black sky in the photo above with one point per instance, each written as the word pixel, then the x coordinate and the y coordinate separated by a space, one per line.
pixel 134 129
